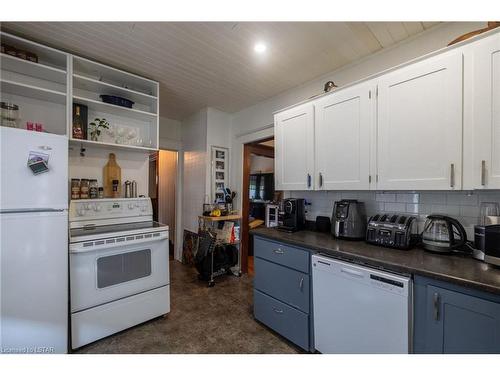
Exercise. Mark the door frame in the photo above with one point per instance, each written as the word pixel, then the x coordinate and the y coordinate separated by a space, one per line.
pixel 179 231
pixel 248 150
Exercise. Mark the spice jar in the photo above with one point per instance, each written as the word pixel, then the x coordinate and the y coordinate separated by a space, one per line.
pixel 75 188
pixel 84 188
pixel 115 192
pixel 101 192
pixel 9 114
pixel 93 189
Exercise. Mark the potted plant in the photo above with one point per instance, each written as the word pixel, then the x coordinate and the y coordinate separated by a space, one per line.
pixel 96 126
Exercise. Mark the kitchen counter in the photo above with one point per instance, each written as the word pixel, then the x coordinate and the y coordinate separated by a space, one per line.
pixel 455 268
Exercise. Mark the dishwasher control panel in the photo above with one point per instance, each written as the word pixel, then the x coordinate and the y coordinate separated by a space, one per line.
pixel 384 280
pixel 386 283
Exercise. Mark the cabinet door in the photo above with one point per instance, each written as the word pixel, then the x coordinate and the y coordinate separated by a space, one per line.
pixel 294 153
pixel 342 139
pixel 420 125
pixel 459 323
pixel 484 100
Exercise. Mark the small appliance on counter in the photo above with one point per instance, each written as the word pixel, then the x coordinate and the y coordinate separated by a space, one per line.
pixel 349 219
pixel 272 215
pixel 293 216
pixel 487 243
pixel 443 234
pixel 478 251
pixel 391 230
pixel 323 224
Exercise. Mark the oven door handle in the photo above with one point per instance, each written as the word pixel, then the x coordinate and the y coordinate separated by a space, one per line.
pixel 81 249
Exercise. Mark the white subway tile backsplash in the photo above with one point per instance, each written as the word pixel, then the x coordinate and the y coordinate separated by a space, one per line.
pixel 444 209
pixel 334 195
pixel 433 198
pixel 349 195
pixel 385 197
pixel 407 197
pixel 469 211
pixel 415 208
pixel 395 207
pixel 461 205
pixel 462 199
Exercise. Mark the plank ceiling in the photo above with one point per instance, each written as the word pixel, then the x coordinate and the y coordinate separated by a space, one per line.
pixel 201 64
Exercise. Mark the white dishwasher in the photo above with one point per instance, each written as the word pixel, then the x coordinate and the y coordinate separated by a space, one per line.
pixel 360 310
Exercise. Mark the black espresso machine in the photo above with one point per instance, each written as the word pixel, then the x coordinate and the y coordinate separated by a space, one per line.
pixel 292 215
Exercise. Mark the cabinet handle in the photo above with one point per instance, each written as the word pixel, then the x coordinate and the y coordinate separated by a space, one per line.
pixel 436 306
pixel 301 283
pixel 308 180
pixel 278 311
pixel 320 180
pixel 483 172
pixel 279 251
pixel 452 175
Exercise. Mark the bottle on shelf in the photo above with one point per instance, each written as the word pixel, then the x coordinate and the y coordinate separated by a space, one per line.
pixel 75 188
pixel 93 189
pixel 84 188
pixel 77 124
pixel 111 173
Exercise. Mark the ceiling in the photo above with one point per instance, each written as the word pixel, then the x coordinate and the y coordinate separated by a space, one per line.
pixel 201 64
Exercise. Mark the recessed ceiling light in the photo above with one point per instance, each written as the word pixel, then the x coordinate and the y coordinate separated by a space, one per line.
pixel 260 47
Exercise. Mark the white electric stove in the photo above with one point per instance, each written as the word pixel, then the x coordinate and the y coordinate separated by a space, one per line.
pixel 119 272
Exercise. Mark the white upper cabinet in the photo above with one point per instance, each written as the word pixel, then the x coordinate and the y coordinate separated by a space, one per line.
pixel 419 136
pixel 294 155
pixel 342 130
pixel 482 114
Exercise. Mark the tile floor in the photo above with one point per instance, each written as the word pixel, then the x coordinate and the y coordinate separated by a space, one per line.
pixel 202 320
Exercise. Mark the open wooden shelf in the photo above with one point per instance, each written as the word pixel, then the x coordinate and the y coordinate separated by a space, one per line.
pixel 220 218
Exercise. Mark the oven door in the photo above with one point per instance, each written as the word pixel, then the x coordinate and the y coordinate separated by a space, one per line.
pixel 105 275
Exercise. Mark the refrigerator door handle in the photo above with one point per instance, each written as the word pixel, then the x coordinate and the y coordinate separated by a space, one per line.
pixel 35 210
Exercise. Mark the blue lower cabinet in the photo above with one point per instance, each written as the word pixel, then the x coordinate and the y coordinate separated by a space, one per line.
pixel 287 285
pixel 455 320
pixel 282 290
pixel 282 318
pixel 286 255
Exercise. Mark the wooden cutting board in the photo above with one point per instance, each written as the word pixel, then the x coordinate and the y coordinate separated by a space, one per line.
pixel 112 171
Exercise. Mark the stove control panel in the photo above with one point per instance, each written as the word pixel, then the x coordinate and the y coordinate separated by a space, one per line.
pixel 97 209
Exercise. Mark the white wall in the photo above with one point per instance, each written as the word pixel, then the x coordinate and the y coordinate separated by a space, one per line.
pixel 194 144
pixel 208 127
pixel 134 165
pixel 261 164
pixel 170 134
pixel 256 122
pixel 218 134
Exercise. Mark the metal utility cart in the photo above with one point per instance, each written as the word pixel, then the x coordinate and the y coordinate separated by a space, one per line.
pixel 209 223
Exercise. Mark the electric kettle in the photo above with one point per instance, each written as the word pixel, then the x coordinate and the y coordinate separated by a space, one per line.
pixel 443 234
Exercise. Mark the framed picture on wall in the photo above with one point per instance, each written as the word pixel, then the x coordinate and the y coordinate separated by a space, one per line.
pixel 220 172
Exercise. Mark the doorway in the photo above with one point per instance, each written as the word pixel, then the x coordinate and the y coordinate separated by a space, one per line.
pixel 257 192
pixel 163 169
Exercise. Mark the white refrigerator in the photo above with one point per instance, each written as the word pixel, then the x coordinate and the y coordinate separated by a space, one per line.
pixel 33 242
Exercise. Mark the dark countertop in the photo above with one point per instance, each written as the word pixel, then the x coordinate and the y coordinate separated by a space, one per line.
pixel 456 268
